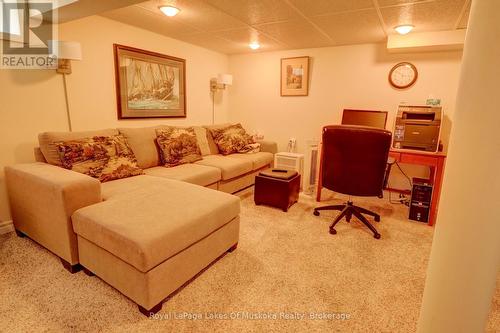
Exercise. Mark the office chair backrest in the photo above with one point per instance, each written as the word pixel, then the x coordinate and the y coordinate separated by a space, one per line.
pixel 354 159
pixel 370 118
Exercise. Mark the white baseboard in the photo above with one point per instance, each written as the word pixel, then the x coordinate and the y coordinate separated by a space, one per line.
pixel 6 227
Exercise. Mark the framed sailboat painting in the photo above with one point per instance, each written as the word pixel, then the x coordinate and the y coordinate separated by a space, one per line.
pixel 149 84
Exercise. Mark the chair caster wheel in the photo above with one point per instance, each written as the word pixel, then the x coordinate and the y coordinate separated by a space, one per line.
pixel 316 213
pixel 377 236
pixel 333 231
pixel 377 218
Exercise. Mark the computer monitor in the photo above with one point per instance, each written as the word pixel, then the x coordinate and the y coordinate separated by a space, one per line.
pixel 364 118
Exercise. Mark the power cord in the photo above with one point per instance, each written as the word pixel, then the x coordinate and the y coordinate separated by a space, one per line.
pixel 404 174
pixel 403 200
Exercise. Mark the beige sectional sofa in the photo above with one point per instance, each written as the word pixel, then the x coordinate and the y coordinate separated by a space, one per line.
pixel 145 235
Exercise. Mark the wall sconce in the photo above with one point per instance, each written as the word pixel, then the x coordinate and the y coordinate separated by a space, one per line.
pixel 221 82
pixel 65 52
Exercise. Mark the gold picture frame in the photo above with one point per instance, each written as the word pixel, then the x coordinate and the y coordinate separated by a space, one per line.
pixel 149 84
pixel 294 76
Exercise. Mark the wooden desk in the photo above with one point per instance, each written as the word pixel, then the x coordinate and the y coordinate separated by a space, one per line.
pixel 435 161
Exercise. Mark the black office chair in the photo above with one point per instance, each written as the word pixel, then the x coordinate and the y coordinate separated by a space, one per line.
pixel 369 118
pixel 353 162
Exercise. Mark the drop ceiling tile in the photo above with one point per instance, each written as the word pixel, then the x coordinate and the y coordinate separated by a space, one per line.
pixel 256 11
pixel 321 7
pixel 427 16
pixel 209 41
pixel 352 27
pixel 148 20
pixel 223 25
pixel 199 15
pixel 465 19
pixel 296 34
pixel 243 37
pixel 384 3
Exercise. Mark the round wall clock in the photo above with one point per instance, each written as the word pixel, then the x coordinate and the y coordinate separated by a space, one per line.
pixel 403 75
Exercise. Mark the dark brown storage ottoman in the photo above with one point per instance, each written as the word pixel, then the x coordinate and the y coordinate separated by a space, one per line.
pixel 277 189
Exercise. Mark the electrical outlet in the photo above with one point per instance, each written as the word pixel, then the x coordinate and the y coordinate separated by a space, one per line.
pixel 291 145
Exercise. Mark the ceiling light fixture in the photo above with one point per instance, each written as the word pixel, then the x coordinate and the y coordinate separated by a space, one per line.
pixel 169 10
pixel 254 45
pixel 404 29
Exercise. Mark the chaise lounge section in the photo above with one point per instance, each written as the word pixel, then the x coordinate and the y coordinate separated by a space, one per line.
pixel 146 246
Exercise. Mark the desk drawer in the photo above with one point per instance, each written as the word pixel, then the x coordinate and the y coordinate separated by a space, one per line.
pixel 419 159
pixel 395 155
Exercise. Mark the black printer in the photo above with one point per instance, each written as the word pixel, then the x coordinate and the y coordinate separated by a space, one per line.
pixel 417 127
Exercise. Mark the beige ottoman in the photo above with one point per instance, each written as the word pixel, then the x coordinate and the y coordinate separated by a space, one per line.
pixel 151 241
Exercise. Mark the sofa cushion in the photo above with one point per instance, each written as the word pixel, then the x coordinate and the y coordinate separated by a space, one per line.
pixel 119 187
pixel 178 145
pixel 230 167
pixel 258 160
pixel 103 157
pixel 192 173
pixel 232 139
pixel 202 135
pixel 48 140
pixel 143 144
pixel 149 225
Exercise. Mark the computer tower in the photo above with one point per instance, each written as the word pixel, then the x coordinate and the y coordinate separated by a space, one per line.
pixel 420 203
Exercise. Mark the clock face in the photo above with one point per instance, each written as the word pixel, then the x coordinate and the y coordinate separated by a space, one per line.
pixel 403 75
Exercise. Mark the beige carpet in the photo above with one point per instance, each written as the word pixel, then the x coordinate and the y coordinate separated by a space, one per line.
pixel 286 263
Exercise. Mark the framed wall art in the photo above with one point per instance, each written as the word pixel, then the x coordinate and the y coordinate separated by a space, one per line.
pixel 295 76
pixel 149 84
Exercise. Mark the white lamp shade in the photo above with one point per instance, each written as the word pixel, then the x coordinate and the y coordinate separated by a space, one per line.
pixel 226 79
pixel 65 50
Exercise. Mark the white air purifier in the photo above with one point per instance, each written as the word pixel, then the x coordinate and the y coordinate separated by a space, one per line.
pixel 311 167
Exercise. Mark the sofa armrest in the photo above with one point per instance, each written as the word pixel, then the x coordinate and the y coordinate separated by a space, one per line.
pixel 268 146
pixel 42 199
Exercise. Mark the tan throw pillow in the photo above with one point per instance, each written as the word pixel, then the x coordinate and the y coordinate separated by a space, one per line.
pixel 178 145
pixel 103 157
pixel 232 139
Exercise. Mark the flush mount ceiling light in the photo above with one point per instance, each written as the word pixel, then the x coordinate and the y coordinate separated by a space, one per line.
pixel 169 10
pixel 404 29
pixel 254 45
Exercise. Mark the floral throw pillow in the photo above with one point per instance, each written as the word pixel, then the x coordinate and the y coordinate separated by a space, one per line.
pixel 232 139
pixel 103 157
pixel 178 145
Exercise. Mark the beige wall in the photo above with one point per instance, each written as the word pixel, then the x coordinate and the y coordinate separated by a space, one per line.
pixel 340 77
pixel 33 101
